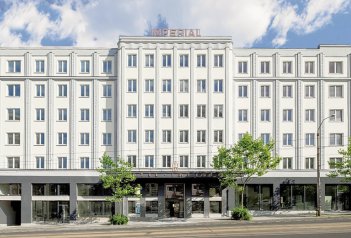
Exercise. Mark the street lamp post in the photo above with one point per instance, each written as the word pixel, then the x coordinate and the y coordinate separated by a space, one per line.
pixel 319 195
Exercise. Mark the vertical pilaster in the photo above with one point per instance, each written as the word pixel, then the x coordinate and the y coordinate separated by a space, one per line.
pixel 192 105
pixel 72 138
pixel 27 137
pixel 206 201
pixel 175 107
pixel 187 201
pixel 140 104
pixel 210 80
pixel 95 119
pixel 298 126
pixel 50 121
pixel 26 203
pixel 161 200
pixel 73 201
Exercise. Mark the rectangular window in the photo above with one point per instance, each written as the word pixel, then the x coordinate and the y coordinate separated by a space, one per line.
pixel 166 136
pixel 107 66
pixel 132 136
pixel 336 139
pixel 201 60
pixel 287 163
pixel 84 162
pixel 149 110
pixel 14 114
pixel 265 91
pixel 132 160
pixel 62 138
pixel 336 91
pixel 336 115
pixel 39 138
pixel 107 91
pixel 287 67
pixel 183 136
pixel 166 161
pixel 335 67
pixel 218 136
pixel 62 114
pixel 201 136
pixel 132 60
pixel 84 90
pixel 242 67
pixel 62 90
pixel 240 136
pixel 265 67
pixel 242 115
pixel 218 111
pixel 149 85
pixel 309 163
pixel 84 66
pixel 149 161
pixel 183 110
pixel 201 161
pixel 183 61
pixel 309 139
pixel 166 60
pixel 62 162
pixel 13 162
pixel 149 60
pixel 218 60
pixel 166 111
pixel 166 86
pixel 149 136
pixel 106 139
pixel 184 161
pixel 62 66
pixel 40 162
pixel 183 86
pixel 266 137
pixel 84 138
pixel 333 161
pixel 13 138
pixel 265 115
pixel 309 91
pixel 218 86
pixel 288 139
pixel 309 115
pixel 84 114
pixel 309 67
pixel 107 114
pixel 242 91
pixel 287 115
pixel 201 111
pixel 132 86
pixel 201 85
pixel 132 110
pixel 39 66
pixel 40 114
pixel 14 66
pixel 40 90
pixel 287 91
pixel 14 90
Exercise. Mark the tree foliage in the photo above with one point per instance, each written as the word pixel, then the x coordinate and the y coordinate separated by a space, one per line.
pixel 117 175
pixel 247 158
pixel 342 168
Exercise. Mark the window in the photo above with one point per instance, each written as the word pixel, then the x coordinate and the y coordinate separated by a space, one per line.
pixel 166 111
pixel 84 114
pixel 107 114
pixel 309 139
pixel 132 160
pixel 62 114
pixel 62 90
pixel 287 163
pixel 240 136
pixel 84 162
pixel 13 90
pixel 14 114
pixel 218 136
pixel 13 138
pixel 183 136
pixel 166 60
pixel 201 111
pixel 201 161
pixel 242 91
pixel 40 162
pixel 218 85
pixel 218 111
pixel 335 67
pixel 40 90
pixel 265 67
pixel 336 91
pixel 201 60
pixel 201 85
pixel 166 136
pixel 132 60
pixel 309 91
pixel 149 136
pixel 149 60
pixel 242 67
pixel 266 137
pixel 106 139
pixel 287 91
pixel 166 86
pixel 132 136
pixel 333 161
pixel 84 138
pixel 107 66
pixel 40 114
pixel 39 138
pixel 62 162
pixel 84 90
pixel 265 115
pixel 265 91
pixel 14 66
pixel 309 67
pixel 132 86
pixel 62 66
pixel 149 161
pixel 183 111
pixel 287 115
pixel 39 66
pixel 309 115
pixel 84 66
pixel 309 163
pixel 183 61
pixel 13 162
pixel 288 139
pixel 183 86
pixel 184 161
pixel 336 139
pixel 62 138
pixel 242 115
pixel 132 110
pixel 149 110
pixel 107 91
pixel 166 161
pixel 201 136
pixel 336 115
pixel 218 61
pixel 287 67
pixel 149 85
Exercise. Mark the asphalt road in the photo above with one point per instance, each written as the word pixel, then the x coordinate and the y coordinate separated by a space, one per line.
pixel 311 228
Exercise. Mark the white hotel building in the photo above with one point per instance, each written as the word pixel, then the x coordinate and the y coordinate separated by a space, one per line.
pixel 166 104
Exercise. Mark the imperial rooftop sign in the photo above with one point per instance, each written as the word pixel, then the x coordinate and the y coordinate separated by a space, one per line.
pixel 176 32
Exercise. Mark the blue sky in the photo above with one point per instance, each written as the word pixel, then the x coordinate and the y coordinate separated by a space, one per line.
pixel 251 23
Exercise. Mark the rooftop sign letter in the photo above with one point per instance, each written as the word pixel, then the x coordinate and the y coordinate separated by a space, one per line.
pixel 176 32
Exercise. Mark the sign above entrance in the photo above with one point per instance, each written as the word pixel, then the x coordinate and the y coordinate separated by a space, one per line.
pixel 176 32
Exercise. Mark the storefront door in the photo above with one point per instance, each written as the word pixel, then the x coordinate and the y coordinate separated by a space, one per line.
pixel 174 200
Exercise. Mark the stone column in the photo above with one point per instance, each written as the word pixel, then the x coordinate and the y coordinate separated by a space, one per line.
pixel 26 203
pixel 161 200
pixel 73 193
pixel 206 201
pixel 187 200
pixel 276 196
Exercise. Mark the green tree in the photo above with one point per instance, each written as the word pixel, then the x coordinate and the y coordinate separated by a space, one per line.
pixel 342 168
pixel 247 158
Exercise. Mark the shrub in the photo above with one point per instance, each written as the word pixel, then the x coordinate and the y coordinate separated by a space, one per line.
pixel 241 213
pixel 119 219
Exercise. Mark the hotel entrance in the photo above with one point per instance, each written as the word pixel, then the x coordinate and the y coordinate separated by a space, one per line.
pixel 174 200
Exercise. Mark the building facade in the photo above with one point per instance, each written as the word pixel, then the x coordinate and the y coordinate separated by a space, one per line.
pixel 165 104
